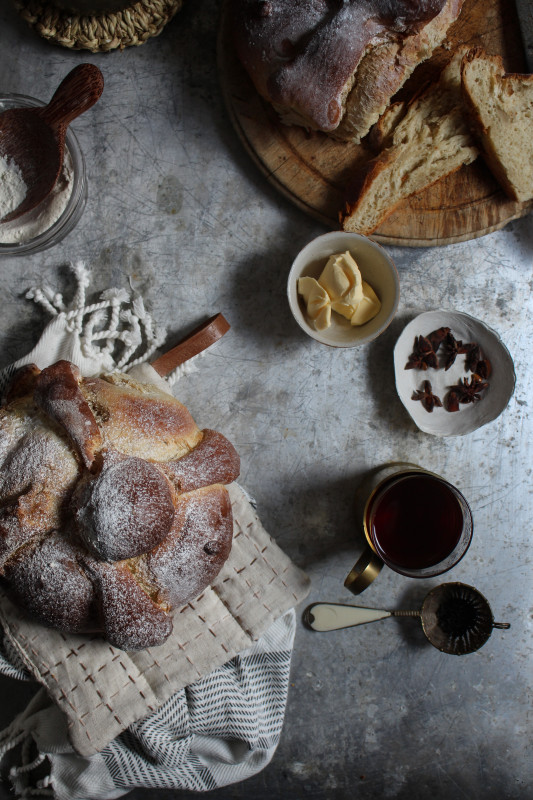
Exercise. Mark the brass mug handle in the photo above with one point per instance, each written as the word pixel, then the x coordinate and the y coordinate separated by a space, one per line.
pixel 369 564
pixel 365 570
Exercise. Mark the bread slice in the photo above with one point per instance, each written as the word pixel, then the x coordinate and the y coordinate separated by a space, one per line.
pixel 384 70
pixel 431 141
pixel 381 134
pixel 500 106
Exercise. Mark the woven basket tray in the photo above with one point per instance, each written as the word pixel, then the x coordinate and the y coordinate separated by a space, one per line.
pixel 102 32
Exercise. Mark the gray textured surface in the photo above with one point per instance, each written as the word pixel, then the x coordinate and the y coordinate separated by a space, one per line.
pixel 177 205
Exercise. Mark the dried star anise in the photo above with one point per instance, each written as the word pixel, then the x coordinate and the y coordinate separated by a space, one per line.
pixel 466 391
pixel 452 348
pixel 427 398
pixel 437 337
pixel 423 355
pixel 476 363
pixel 483 369
pixel 451 401
pixel 473 355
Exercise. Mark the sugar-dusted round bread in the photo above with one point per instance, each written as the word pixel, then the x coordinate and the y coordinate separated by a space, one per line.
pixel 113 509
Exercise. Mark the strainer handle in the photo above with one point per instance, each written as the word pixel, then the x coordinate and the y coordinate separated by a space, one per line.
pixel 405 613
pixel 502 625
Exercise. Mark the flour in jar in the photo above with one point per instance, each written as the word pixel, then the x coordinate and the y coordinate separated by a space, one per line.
pixel 39 219
pixel 12 186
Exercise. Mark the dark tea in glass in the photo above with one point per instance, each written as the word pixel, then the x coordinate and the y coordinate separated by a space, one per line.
pixel 418 524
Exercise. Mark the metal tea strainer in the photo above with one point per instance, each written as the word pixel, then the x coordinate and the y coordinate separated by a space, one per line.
pixel 455 617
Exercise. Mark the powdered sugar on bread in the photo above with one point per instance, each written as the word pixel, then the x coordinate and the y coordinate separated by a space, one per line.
pixel 126 509
pixel 200 542
pixel 77 534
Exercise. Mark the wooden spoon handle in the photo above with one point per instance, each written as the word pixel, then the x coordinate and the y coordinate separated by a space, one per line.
pixel 199 339
pixel 75 94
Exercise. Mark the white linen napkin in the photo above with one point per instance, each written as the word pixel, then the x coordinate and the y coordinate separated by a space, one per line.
pixel 203 710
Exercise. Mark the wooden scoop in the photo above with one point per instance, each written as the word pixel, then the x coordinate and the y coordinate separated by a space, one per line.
pixel 34 138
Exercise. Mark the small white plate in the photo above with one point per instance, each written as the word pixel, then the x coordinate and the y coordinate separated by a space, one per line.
pixel 494 400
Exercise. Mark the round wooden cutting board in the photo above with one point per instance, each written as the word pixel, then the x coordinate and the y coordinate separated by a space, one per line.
pixel 313 170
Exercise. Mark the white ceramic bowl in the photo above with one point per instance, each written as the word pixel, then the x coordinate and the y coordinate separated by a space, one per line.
pixel 377 268
pixel 469 417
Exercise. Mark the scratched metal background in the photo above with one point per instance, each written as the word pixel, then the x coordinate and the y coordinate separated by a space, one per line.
pixel 177 206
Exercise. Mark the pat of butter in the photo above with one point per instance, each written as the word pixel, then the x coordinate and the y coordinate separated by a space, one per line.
pixel 340 288
pixel 368 308
pixel 342 281
pixel 317 302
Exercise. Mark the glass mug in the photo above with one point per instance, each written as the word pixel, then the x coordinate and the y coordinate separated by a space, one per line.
pixel 414 521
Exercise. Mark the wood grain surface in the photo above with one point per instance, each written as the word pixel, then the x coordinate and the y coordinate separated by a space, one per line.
pixel 312 169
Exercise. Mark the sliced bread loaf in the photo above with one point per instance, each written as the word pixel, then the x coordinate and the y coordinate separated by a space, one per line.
pixel 431 141
pixel 386 67
pixel 333 65
pixel 500 107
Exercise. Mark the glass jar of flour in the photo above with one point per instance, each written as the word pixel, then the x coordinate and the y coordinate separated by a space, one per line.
pixel 56 216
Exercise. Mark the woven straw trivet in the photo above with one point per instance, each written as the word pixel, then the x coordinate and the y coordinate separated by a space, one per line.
pixel 99 32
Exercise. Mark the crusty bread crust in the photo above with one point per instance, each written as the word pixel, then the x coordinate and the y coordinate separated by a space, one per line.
pixel 500 111
pixel 118 402
pixel 431 141
pixel 385 69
